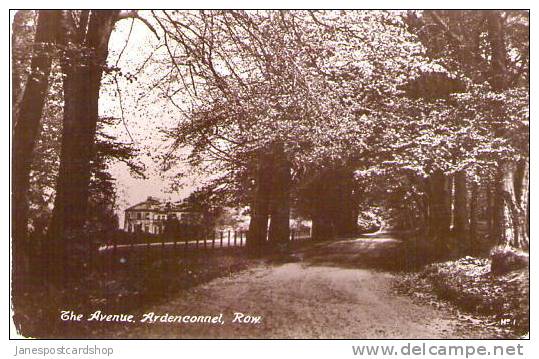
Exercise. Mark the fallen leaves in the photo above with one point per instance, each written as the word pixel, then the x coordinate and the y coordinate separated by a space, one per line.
pixel 468 287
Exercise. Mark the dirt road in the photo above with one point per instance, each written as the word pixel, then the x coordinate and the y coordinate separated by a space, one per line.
pixel 334 290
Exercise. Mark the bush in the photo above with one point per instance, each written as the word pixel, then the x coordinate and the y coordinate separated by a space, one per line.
pixel 368 221
pixel 470 284
pixel 506 259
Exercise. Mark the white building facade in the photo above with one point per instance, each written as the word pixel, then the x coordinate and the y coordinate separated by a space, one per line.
pixel 151 215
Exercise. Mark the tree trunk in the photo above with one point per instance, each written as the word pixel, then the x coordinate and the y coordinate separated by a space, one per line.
pixel 461 219
pixel 490 212
pixel 511 226
pixel 345 216
pixel 525 195
pixel 473 218
pixel 511 216
pixel 23 39
pixel 322 202
pixel 439 211
pixel 334 207
pixel 279 230
pixel 26 130
pixel 322 226
pixel 258 225
pixel 522 190
pixel 498 64
pixel 82 72
pixel 425 208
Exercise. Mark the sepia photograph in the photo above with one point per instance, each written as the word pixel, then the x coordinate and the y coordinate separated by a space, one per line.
pixel 269 174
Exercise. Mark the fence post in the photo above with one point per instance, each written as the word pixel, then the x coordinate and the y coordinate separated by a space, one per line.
pixel 162 250
pixel 235 236
pixel 213 240
pixel 114 249
pixel 229 238
pixel 148 250
pixel 221 236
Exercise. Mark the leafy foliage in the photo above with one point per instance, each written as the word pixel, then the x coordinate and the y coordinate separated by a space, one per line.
pixel 46 161
pixel 342 88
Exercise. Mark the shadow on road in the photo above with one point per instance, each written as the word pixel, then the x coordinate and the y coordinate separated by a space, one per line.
pixel 379 251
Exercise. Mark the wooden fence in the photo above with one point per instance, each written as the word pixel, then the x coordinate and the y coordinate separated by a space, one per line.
pixel 114 258
pixel 112 255
pixel 218 239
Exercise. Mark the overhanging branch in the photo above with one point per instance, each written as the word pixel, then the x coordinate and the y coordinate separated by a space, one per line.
pixel 133 14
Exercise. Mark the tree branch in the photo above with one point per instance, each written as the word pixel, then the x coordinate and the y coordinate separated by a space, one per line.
pixel 133 14
pixel 446 28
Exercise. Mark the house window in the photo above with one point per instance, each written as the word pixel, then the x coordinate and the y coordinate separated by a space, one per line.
pixel 139 215
pixel 147 215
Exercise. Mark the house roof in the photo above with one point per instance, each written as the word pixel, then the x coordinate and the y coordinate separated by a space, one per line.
pixel 155 205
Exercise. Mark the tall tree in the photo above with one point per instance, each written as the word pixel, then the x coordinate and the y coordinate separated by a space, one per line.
pixel 26 126
pixel 461 226
pixel 310 80
pixel 85 39
pixel 512 226
pixel 86 48
pixel 279 229
pixel 488 50
pixel 260 205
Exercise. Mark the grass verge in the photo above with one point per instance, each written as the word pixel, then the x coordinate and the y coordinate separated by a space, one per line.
pixel 128 287
pixel 469 284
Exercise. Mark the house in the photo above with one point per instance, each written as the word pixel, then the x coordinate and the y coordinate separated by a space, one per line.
pixel 151 215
